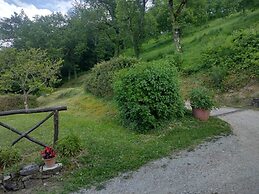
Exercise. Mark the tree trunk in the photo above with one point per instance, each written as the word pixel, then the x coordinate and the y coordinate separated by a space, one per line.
pixel 176 34
pixel 25 100
pixel 117 43
pixel 136 46
pixel 69 75
pixel 177 42
pixel 75 73
pixel 174 23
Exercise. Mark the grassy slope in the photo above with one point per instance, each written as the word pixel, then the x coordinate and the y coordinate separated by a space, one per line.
pixel 109 148
pixel 199 39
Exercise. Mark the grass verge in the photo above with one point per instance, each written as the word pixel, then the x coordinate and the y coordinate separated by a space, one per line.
pixel 109 148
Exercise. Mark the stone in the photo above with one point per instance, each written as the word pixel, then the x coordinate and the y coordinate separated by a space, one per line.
pixel 6 178
pixel 26 178
pixel 51 171
pixel 31 183
pixel 255 102
pixel 29 170
pixel 11 186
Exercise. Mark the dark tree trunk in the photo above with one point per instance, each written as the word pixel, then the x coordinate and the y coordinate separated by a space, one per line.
pixel 69 75
pixel 136 45
pixel 75 72
pixel 117 43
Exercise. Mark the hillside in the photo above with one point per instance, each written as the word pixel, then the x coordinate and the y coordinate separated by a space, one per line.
pixel 238 87
pixel 198 39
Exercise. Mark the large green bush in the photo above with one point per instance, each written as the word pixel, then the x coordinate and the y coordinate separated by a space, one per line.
pixel 99 80
pixel 148 95
pixel 11 102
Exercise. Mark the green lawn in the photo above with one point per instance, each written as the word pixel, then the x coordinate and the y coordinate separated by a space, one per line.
pixel 109 148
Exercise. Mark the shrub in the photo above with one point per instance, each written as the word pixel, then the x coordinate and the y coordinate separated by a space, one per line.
pixel 238 57
pixel 11 102
pixel 148 95
pixel 217 75
pixel 8 156
pixel 69 146
pixel 100 79
pixel 175 60
pixel 201 98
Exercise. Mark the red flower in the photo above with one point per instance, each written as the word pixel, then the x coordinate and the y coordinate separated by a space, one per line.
pixel 48 153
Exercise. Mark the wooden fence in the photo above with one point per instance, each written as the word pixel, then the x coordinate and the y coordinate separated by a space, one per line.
pixel 54 111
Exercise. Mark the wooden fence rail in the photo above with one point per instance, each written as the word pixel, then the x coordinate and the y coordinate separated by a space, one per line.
pixel 54 111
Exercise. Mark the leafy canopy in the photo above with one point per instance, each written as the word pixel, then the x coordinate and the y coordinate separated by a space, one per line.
pixel 27 71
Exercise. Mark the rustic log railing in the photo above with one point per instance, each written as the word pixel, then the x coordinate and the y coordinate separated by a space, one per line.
pixel 54 111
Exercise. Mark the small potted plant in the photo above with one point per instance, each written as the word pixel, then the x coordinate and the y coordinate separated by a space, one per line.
pixel 49 156
pixel 201 102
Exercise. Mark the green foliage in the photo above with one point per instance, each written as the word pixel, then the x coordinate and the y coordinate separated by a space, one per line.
pixel 217 75
pixel 12 102
pixel 69 146
pixel 131 17
pixel 8 156
pixel 100 79
pixel 175 60
pixel 30 71
pixel 201 98
pixel 148 95
pixel 239 57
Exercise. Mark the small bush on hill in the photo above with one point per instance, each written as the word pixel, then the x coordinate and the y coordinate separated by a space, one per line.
pixel 99 80
pixel 217 76
pixel 71 145
pixel 11 102
pixel 175 60
pixel 148 95
pixel 8 156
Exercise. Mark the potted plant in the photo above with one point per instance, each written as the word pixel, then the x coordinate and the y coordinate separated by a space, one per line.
pixel 201 102
pixel 49 156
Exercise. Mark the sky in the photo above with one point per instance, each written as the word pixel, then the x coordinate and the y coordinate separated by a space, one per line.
pixel 34 7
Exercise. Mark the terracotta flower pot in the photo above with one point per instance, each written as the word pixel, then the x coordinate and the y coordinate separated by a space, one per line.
pixel 49 163
pixel 201 114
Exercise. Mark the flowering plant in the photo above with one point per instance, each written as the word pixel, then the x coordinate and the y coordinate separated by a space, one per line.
pixel 48 153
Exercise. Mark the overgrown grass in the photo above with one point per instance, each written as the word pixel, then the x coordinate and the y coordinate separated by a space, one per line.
pixel 109 148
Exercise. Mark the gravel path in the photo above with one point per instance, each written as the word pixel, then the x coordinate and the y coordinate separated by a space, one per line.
pixel 227 165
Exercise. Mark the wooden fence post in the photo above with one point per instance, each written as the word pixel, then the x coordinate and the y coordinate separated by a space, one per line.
pixel 56 125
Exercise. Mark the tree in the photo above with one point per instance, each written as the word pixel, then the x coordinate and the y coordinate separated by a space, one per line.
pixel 107 21
pixel 131 16
pixel 29 70
pixel 175 12
pixel 9 27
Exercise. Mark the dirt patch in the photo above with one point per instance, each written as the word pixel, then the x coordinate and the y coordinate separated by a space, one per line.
pixel 240 98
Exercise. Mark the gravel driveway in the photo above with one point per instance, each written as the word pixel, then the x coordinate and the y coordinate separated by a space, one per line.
pixel 227 165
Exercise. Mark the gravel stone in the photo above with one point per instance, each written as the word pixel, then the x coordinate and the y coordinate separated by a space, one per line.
pixel 228 165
